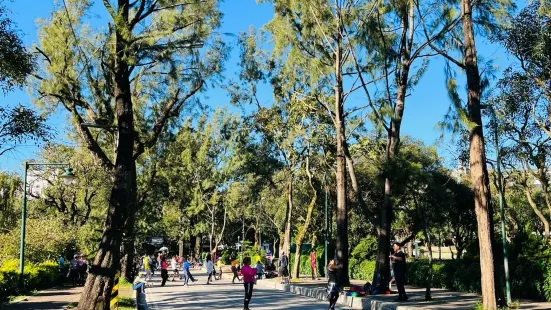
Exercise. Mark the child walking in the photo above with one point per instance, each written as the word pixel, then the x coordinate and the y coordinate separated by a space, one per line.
pixel 248 279
pixel 210 268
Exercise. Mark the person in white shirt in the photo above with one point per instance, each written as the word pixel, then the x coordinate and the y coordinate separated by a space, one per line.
pixel 210 267
pixel 174 267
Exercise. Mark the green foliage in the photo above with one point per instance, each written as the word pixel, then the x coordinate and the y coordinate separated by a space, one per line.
pixel 252 252
pixel 530 278
pixel 304 268
pixel 18 124
pixel 36 276
pixel 46 239
pixel 15 61
pixel 361 269
pixel 366 249
pixel 459 275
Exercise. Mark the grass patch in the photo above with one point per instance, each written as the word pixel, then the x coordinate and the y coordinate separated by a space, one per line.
pixel 127 303
pixel 124 284
pixel 16 298
pixel 512 306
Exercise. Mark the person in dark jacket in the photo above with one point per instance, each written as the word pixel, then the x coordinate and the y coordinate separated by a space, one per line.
pixel 399 267
pixel 332 284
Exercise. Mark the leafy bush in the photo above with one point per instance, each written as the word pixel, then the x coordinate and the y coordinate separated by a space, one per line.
pixel 304 268
pixel 361 270
pixel 529 278
pixel 36 276
pixel 366 249
pixel 458 275
pixel 46 239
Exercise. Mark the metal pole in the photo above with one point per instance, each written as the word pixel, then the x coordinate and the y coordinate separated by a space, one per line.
pixel 23 226
pixel 502 210
pixel 24 217
pixel 326 226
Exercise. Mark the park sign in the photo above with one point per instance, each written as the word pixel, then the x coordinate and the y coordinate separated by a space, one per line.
pixel 156 240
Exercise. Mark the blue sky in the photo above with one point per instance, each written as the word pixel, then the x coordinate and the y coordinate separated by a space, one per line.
pixel 424 108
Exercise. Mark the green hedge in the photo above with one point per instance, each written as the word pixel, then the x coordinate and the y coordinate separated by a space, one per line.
pixel 529 279
pixel 361 270
pixel 37 276
pixel 304 268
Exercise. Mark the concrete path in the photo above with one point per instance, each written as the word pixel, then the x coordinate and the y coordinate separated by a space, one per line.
pixel 223 294
pixel 55 298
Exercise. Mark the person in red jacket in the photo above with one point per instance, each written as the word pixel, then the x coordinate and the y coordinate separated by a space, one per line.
pixel 248 281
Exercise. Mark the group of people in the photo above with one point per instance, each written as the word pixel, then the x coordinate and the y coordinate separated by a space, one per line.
pixel 151 263
pixel 250 274
pixel 78 268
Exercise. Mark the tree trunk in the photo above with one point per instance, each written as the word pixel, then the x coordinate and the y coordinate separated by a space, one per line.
pixel 428 295
pixel 302 233
pixel 439 246
pixel 287 237
pixel 538 212
pixel 198 246
pixel 451 251
pixel 382 275
pixel 342 208
pixel 477 156
pixel 122 201
pixel 221 234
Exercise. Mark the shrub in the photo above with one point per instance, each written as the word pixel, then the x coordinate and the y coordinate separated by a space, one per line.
pixel 529 278
pixel 304 268
pixel 36 276
pixel 46 239
pixel 361 270
pixel 366 249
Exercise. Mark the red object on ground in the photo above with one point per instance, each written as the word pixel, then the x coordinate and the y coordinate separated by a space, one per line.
pixel 387 292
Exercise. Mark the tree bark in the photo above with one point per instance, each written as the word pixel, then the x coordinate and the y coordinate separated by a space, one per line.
pixel 302 233
pixel 342 207
pixel 122 201
pixel 428 295
pixel 477 156
pixel 382 275
pixel 287 236
pixel 221 234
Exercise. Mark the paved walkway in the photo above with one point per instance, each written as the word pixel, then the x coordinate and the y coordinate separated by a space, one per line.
pixel 55 298
pixel 223 294
pixel 442 299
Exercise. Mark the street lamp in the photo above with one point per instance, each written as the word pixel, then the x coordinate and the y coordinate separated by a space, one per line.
pixel 501 202
pixel 68 178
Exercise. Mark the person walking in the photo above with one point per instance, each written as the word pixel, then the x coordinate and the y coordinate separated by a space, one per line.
pixel 313 265
pixel 234 264
pixel 248 281
pixel 332 284
pixel 187 273
pixel 283 268
pixel 152 265
pixel 219 265
pixel 73 270
pixel 210 268
pixel 82 270
pixel 399 267
pixel 147 268
pixel 259 270
pixel 61 268
pixel 174 268
pixel 164 268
